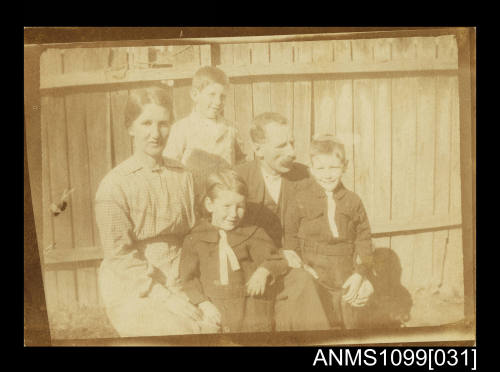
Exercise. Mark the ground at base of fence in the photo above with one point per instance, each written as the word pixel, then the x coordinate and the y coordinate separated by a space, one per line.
pixel 91 322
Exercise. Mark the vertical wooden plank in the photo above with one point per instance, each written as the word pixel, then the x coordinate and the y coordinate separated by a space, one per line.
pixel 453 273
pixel 97 109
pixel 66 288
pixel 304 52
pixel 422 265
pixel 424 196
pixel 404 48
pixel 322 51
pixel 59 175
pixel 226 54
pixel 82 286
pixel 382 150
pixel 282 99
pixel 426 48
pixel 362 50
pixel 281 52
pixel 403 148
pixel 121 139
pixel 324 106
pixel 244 115
pixel 51 62
pixel 364 135
pixel 342 51
pixel 91 279
pixel 302 119
pixel 182 100
pixel 259 53
pixel 447 49
pixel 403 246
pixel 443 145
pixel 383 242
pixel 261 90
pixel 241 54
pixel 78 156
pixel 282 91
pixel 455 179
pixel 426 128
pixel 229 104
pixel 261 95
pixel 440 240
pixel 205 53
pixel 50 287
pixel 382 50
pixel 48 228
pixel 344 126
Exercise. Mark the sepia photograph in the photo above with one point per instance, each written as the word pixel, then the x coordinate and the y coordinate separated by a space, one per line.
pixel 254 189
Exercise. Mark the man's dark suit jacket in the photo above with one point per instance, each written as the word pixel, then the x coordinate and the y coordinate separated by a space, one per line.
pixel 257 211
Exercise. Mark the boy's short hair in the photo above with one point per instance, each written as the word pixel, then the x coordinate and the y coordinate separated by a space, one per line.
pixel 207 75
pixel 225 179
pixel 257 132
pixel 326 144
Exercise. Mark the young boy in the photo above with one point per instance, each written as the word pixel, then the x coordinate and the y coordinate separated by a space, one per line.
pixel 328 227
pixel 205 140
pixel 228 267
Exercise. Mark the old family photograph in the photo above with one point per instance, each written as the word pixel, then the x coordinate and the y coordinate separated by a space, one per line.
pixel 282 184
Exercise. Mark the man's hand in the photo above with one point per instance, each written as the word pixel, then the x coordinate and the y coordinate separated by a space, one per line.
pixel 364 293
pixel 256 285
pixel 292 258
pixel 210 312
pixel 352 286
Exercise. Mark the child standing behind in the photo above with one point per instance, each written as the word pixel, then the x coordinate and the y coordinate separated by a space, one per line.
pixel 227 267
pixel 328 227
pixel 205 140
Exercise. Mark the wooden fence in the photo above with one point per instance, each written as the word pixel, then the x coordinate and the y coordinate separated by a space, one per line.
pixel 394 102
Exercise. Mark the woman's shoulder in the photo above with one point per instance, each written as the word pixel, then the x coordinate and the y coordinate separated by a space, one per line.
pixel 117 176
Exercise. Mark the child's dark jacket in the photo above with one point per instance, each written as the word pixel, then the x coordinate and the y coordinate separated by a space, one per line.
pixel 199 273
pixel 308 232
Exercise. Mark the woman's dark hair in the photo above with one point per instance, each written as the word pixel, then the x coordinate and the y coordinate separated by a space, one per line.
pixel 140 97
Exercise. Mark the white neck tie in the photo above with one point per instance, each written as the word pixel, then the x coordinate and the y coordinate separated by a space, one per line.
pixel 226 253
pixel 331 214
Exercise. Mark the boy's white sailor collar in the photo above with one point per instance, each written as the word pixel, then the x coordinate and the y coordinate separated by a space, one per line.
pixel 137 162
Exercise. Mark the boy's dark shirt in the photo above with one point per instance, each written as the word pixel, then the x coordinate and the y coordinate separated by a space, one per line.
pixel 199 266
pixel 307 228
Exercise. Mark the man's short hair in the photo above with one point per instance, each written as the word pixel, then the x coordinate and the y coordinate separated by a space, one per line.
pixel 326 144
pixel 257 132
pixel 207 75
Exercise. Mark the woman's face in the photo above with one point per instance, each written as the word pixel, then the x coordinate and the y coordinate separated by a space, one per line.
pixel 150 130
pixel 227 209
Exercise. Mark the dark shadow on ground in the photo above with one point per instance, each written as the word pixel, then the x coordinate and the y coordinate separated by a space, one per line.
pixel 391 303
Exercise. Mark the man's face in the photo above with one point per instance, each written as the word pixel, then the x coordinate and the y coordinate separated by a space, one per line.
pixel 277 152
pixel 209 102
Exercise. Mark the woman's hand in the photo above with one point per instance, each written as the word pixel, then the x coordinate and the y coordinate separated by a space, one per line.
pixel 256 285
pixel 210 312
pixel 292 258
pixel 182 307
pixel 352 286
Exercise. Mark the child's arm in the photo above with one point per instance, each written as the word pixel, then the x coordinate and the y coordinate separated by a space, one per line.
pixel 176 142
pixel 263 252
pixel 363 243
pixel 189 272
